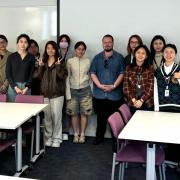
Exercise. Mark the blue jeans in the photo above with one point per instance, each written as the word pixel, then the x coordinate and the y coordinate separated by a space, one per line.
pixel 12 93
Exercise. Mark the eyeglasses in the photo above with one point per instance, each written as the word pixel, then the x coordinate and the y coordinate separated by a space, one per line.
pixel 106 64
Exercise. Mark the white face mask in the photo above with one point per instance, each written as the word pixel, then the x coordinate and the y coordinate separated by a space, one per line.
pixel 63 45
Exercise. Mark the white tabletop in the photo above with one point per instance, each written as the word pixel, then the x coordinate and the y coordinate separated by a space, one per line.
pixel 153 127
pixel 12 178
pixel 12 115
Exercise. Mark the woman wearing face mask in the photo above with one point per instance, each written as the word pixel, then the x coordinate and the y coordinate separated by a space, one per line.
pixel 64 44
pixel 79 97
pixel 139 81
pixel 134 41
pixel 156 47
pixel 20 69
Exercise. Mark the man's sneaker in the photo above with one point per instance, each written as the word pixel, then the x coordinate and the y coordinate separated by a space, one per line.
pixel 65 137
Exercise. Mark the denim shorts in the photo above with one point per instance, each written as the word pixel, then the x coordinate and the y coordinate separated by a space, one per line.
pixel 81 102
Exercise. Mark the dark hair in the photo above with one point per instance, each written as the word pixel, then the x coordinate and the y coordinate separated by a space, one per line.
pixel 173 46
pixel 3 37
pixel 46 56
pixel 152 42
pixel 146 61
pixel 64 36
pixel 129 50
pixel 108 36
pixel 23 36
pixel 79 43
pixel 32 41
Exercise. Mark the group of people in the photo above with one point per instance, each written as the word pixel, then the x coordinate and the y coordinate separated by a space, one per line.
pixel 147 80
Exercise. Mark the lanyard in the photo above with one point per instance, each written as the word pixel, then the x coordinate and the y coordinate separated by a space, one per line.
pixel 168 76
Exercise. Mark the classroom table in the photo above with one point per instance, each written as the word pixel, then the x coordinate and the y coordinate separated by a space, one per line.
pixel 152 127
pixel 13 178
pixel 12 116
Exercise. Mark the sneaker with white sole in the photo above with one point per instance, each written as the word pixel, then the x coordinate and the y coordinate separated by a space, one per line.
pixel 65 137
pixel 55 144
pixel 48 142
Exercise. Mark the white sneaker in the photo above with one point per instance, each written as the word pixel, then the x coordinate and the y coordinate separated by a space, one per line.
pixel 65 137
pixel 48 142
pixel 55 144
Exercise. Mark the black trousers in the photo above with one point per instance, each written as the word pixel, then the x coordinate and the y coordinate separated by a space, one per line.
pixel 104 108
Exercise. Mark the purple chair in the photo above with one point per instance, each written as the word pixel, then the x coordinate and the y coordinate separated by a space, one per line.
pixel 125 111
pixel 30 128
pixel 131 152
pixel 3 98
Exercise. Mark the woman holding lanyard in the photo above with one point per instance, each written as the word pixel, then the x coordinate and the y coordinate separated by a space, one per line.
pixel 167 92
pixel 139 81
pixel 19 69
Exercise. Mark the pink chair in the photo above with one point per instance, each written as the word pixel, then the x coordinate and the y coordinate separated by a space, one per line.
pixel 30 128
pixel 3 98
pixel 131 152
pixel 125 111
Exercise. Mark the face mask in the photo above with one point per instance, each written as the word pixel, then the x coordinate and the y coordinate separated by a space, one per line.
pixel 63 45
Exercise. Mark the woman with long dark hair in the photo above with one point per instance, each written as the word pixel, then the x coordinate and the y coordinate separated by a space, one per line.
pixel 52 72
pixel 139 81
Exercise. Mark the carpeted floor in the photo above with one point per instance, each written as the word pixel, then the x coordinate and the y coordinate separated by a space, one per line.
pixel 77 162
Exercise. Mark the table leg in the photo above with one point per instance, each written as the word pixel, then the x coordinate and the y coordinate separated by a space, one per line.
pixel 38 151
pixel 19 168
pixel 150 163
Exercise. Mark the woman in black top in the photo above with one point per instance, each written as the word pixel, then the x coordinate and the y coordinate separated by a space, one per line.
pixel 19 69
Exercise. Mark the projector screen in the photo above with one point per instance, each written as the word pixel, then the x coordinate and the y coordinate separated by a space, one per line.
pixel 37 18
pixel 90 20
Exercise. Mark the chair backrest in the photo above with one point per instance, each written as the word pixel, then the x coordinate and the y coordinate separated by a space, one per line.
pixel 125 111
pixel 3 98
pixel 29 99
pixel 116 123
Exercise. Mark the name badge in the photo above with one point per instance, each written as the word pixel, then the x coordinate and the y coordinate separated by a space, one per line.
pixel 166 93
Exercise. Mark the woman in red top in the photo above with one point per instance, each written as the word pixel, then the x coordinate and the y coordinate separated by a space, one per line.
pixel 139 81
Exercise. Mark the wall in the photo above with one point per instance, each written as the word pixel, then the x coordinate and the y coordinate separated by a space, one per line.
pixel 37 18
pixel 90 20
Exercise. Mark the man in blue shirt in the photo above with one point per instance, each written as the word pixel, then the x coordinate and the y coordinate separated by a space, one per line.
pixel 106 71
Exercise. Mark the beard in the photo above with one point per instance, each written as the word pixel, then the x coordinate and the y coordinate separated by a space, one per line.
pixel 108 49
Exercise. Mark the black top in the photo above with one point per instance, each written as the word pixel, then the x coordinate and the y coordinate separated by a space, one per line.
pixel 18 70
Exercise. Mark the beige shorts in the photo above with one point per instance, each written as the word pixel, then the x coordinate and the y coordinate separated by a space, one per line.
pixel 81 102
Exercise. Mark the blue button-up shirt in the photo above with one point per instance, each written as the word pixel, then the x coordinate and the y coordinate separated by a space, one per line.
pixel 107 71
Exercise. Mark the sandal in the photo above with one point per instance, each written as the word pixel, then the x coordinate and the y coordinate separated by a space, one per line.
pixel 76 139
pixel 82 139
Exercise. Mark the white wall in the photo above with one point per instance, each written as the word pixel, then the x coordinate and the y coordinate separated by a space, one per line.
pixel 37 18
pixel 90 20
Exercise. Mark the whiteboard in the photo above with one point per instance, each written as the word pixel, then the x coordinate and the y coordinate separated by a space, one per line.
pixel 90 20
pixel 37 18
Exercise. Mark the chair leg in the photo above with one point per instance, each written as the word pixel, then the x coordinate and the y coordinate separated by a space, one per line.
pixel 122 171
pixel 164 171
pixel 32 145
pixel 113 166
pixel 160 172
